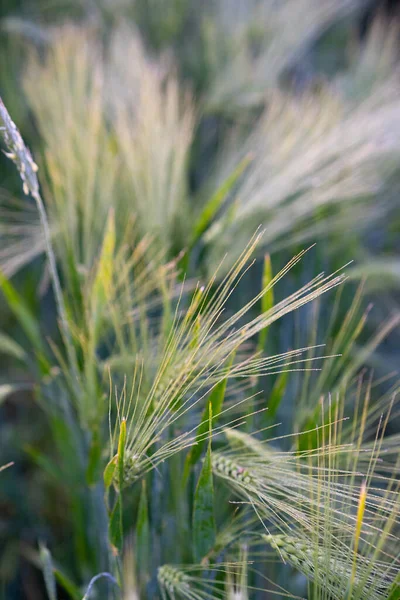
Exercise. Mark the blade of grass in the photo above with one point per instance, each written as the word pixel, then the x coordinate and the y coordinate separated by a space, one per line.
pixel 216 200
pixel 115 524
pixel 48 572
pixel 204 530
pixel 26 319
pixel 215 400
pixel 9 347
pixel 143 533
pixel 267 301
pixel 276 395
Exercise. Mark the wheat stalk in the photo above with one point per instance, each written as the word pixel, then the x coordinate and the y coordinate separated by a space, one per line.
pixel 27 168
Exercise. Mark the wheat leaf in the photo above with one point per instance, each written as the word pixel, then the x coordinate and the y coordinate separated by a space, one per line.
pixel 204 531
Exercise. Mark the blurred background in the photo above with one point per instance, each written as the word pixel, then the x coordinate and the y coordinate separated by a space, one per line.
pixel 296 100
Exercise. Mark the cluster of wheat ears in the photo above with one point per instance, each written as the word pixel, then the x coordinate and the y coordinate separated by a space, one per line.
pixel 166 445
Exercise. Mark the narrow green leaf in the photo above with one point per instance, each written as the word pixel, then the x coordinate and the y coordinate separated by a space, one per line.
pixel 276 395
pixel 143 533
pixel 267 301
pixel 67 584
pixel 109 472
pixel 22 312
pixel 48 573
pixel 204 532
pixel 310 439
pixel 215 400
pixel 121 453
pixel 394 592
pixel 62 579
pixel 216 200
pixel 196 331
pixel 94 462
pixel 116 525
pixel 11 348
pixel 102 284
pixel 26 319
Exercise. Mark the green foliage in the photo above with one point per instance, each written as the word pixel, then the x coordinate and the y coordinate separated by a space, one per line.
pixel 203 509
pixel 116 523
pixel 267 301
pixel 22 312
pixel 165 136
pixel 216 200
pixel 143 532
pixel 48 573
pixel 214 407
pixel 9 347
pixel 275 398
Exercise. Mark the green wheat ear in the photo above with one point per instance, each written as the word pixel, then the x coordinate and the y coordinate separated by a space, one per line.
pixel 187 582
pixel 187 372
pixel 330 569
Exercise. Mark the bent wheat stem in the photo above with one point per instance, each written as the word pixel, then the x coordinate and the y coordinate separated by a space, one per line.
pixel 27 168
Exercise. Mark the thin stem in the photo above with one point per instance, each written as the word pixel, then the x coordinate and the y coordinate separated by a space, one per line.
pixel 56 283
pixel 96 578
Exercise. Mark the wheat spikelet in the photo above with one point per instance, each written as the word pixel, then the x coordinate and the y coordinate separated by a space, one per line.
pixel 18 152
pixel 191 582
pixel 334 572
pixel 173 580
pixel 230 470
pixel 310 488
